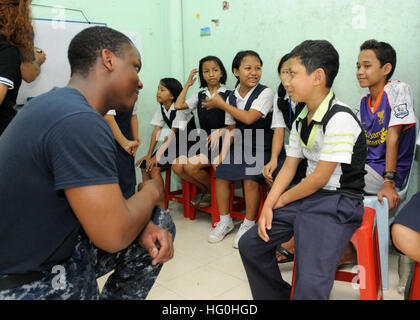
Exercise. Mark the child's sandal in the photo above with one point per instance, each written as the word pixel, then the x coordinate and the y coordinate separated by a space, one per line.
pixel 205 201
pixel 196 200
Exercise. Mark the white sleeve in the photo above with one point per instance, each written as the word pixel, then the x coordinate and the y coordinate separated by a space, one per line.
pixel 192 102
pixel 341 134
pixel 401 101
pixel 181 119
pixel 278 119
pixel 112 112
pixel 356 111
pixel 264 102
pixel 229 120
pixel 7 82
pixel 294 148
pixel 157 119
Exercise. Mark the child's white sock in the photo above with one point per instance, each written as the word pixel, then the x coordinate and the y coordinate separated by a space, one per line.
pixel 248 223
pixel 225 218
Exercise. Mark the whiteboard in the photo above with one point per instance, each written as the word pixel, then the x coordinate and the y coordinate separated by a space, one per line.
pixel 54 38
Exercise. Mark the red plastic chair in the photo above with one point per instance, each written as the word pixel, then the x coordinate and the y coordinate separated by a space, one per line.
pixel 237 203
pixel 415 283
pixel 182 196
pixel 365 240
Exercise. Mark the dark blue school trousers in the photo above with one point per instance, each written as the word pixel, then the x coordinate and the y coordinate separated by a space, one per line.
pixel 322 225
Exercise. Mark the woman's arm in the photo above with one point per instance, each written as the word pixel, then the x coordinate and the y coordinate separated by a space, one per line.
pixel 3 92
pixel 31 70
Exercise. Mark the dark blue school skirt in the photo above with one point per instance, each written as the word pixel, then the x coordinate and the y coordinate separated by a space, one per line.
pixel 199 146
pixel 243 164
pixel 126 172
pixel 409 216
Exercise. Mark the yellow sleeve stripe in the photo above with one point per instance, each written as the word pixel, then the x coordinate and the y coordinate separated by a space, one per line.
pixel 340 142
pixel 339 134
pixel 333 151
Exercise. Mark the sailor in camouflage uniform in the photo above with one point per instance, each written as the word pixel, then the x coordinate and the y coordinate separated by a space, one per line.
pixel 64 220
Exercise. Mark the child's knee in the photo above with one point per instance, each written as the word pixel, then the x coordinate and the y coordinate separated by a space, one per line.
pixel 243 245
pixel 191 169
pixel 155 172
pixel 179 169
pixel 222 182
pixel 402 237
pixel 251 185
pixel 248 244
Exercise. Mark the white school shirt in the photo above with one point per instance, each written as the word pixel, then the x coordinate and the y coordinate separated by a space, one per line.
pixel 192 101
pixel 336 145
pixel 263 104
pixel 181 119
pixel 112 112
pixel 278 118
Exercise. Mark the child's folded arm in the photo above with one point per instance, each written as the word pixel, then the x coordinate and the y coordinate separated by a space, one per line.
pixel 283 180
pixel 311 184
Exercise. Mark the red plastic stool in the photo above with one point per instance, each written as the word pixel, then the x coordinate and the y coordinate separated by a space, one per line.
pixel 415 283
pixel 236 211
pixel 365 240
pixel 182 196
pixel 212 209
pixel 237 203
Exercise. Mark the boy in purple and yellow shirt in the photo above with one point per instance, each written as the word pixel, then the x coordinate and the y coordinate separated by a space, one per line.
pixel 387 116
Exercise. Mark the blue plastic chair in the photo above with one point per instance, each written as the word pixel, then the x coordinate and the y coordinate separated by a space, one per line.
pixel 382 219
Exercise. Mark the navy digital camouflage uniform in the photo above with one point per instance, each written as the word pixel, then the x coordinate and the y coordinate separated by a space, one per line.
pixel 75 279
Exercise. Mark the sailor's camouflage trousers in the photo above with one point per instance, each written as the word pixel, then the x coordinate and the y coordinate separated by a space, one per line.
pixel 75 279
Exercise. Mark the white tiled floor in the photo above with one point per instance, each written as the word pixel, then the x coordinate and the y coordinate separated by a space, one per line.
pixel 204 271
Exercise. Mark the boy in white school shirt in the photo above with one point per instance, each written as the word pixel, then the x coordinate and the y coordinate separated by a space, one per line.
pixel 326 207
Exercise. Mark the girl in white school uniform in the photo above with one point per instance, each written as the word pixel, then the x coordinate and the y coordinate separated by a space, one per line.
pixel 180 123
pixel 285 112
pixel 249 111
pixel 212 74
